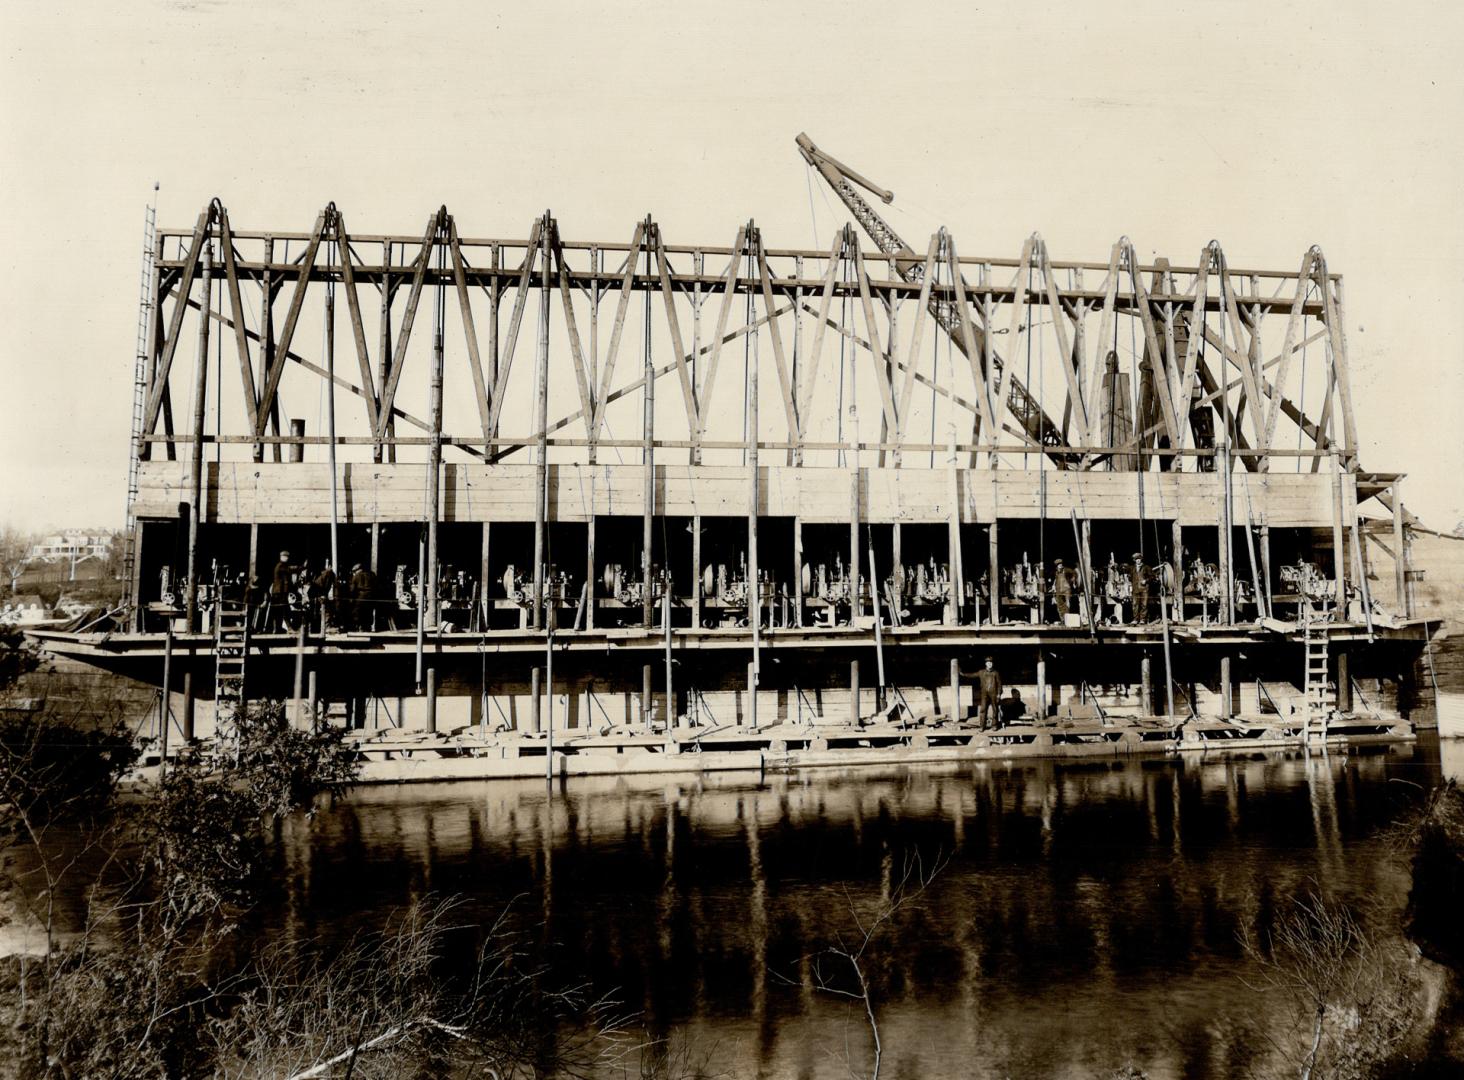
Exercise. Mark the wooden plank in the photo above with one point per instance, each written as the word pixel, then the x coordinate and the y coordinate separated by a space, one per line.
pixel 1071 371
pixel 500 390
pixel 358 330
pixel 917 337
pixel 678 351
pixel 780 360
pixel 604 397
pixel 728 292
pixel 1197 331
pixel 871 329
pixel 292 320
pixel 1293 324
pixel 810 379
pixel 470 329
pixel 236 305
pixel 985 406
pixel 582 377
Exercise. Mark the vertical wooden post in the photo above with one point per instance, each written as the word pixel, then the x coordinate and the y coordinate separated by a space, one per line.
pixel 1177 544
pixel 134 587
pixel 1042 698
pixel 856 598
pixel 535 675
pixel 330 425
pixel 897 571
pixel 879 664
pixel 1085 559
pixel 312 698
pixel 485 602
pixel 956 712
pixel 253 568
pixel 953 536
pixel 670 682
pixel 1339 559
pixel 993 572
pixel 1146 686
pixel 854 711
pixel 696 572
pixel 165 699
pixel 200 403
pixel 1344 682
pixel 188 700
pixel 1400 554
pixel 541 426
pixel 590 582
pixel 1227 689
pixel 431 607
pixel 383 351
pixel 432 700
pixel 754 583
pixel 1226 534
pixel 647 702
pixel 798 571
pixel 267 348
pixel 299 669
pixel 1266 564
pixel 750 713
pixel 297 448
pixel 648 453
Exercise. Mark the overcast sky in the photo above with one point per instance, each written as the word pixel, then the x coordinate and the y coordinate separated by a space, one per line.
pixel 1268 126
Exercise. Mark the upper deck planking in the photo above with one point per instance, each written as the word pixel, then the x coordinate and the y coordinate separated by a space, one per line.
pixel 300 493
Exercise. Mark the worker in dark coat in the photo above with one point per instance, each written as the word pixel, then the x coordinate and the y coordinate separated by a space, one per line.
pixel 1139 575
pixel 362 588
pixel 279 593
pixel 1063 586
pixel 988 692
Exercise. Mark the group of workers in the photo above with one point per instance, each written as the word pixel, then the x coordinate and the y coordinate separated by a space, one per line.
pixel 295 594
pixel 1132 584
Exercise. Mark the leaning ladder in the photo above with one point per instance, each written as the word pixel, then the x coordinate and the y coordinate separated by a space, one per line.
pixel 1319 702
pixel 139 385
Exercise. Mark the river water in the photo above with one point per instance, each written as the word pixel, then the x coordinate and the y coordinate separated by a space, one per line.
pixel 1086 915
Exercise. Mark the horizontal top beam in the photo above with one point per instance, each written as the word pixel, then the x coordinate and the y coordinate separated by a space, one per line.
pixel 512 275
pixel 520 244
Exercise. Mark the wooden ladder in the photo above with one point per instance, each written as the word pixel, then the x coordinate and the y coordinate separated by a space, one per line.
pixel 231 653
pixel 1319 698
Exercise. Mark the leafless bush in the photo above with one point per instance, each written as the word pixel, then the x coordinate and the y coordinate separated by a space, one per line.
pixel 842 968
pixel 1351 999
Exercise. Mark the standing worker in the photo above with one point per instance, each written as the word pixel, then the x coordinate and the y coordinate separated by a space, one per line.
pixel 988 692
pixel 277 607
pixel 362 586
pixel 1139 583
pixel 323 593
pixel 1062 590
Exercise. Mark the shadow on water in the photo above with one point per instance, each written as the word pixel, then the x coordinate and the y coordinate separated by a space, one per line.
pixel 1088 915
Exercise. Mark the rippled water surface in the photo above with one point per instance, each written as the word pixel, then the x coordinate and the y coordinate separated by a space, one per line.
pixel 1087 916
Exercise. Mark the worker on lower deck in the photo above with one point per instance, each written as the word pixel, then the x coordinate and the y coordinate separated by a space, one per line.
pixel 1139 576
pixel 988 692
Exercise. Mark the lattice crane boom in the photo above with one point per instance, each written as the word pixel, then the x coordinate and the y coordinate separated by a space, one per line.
pixel 1037 426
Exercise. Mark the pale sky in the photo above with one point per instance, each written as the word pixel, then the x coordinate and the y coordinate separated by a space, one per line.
pixel 1270 127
